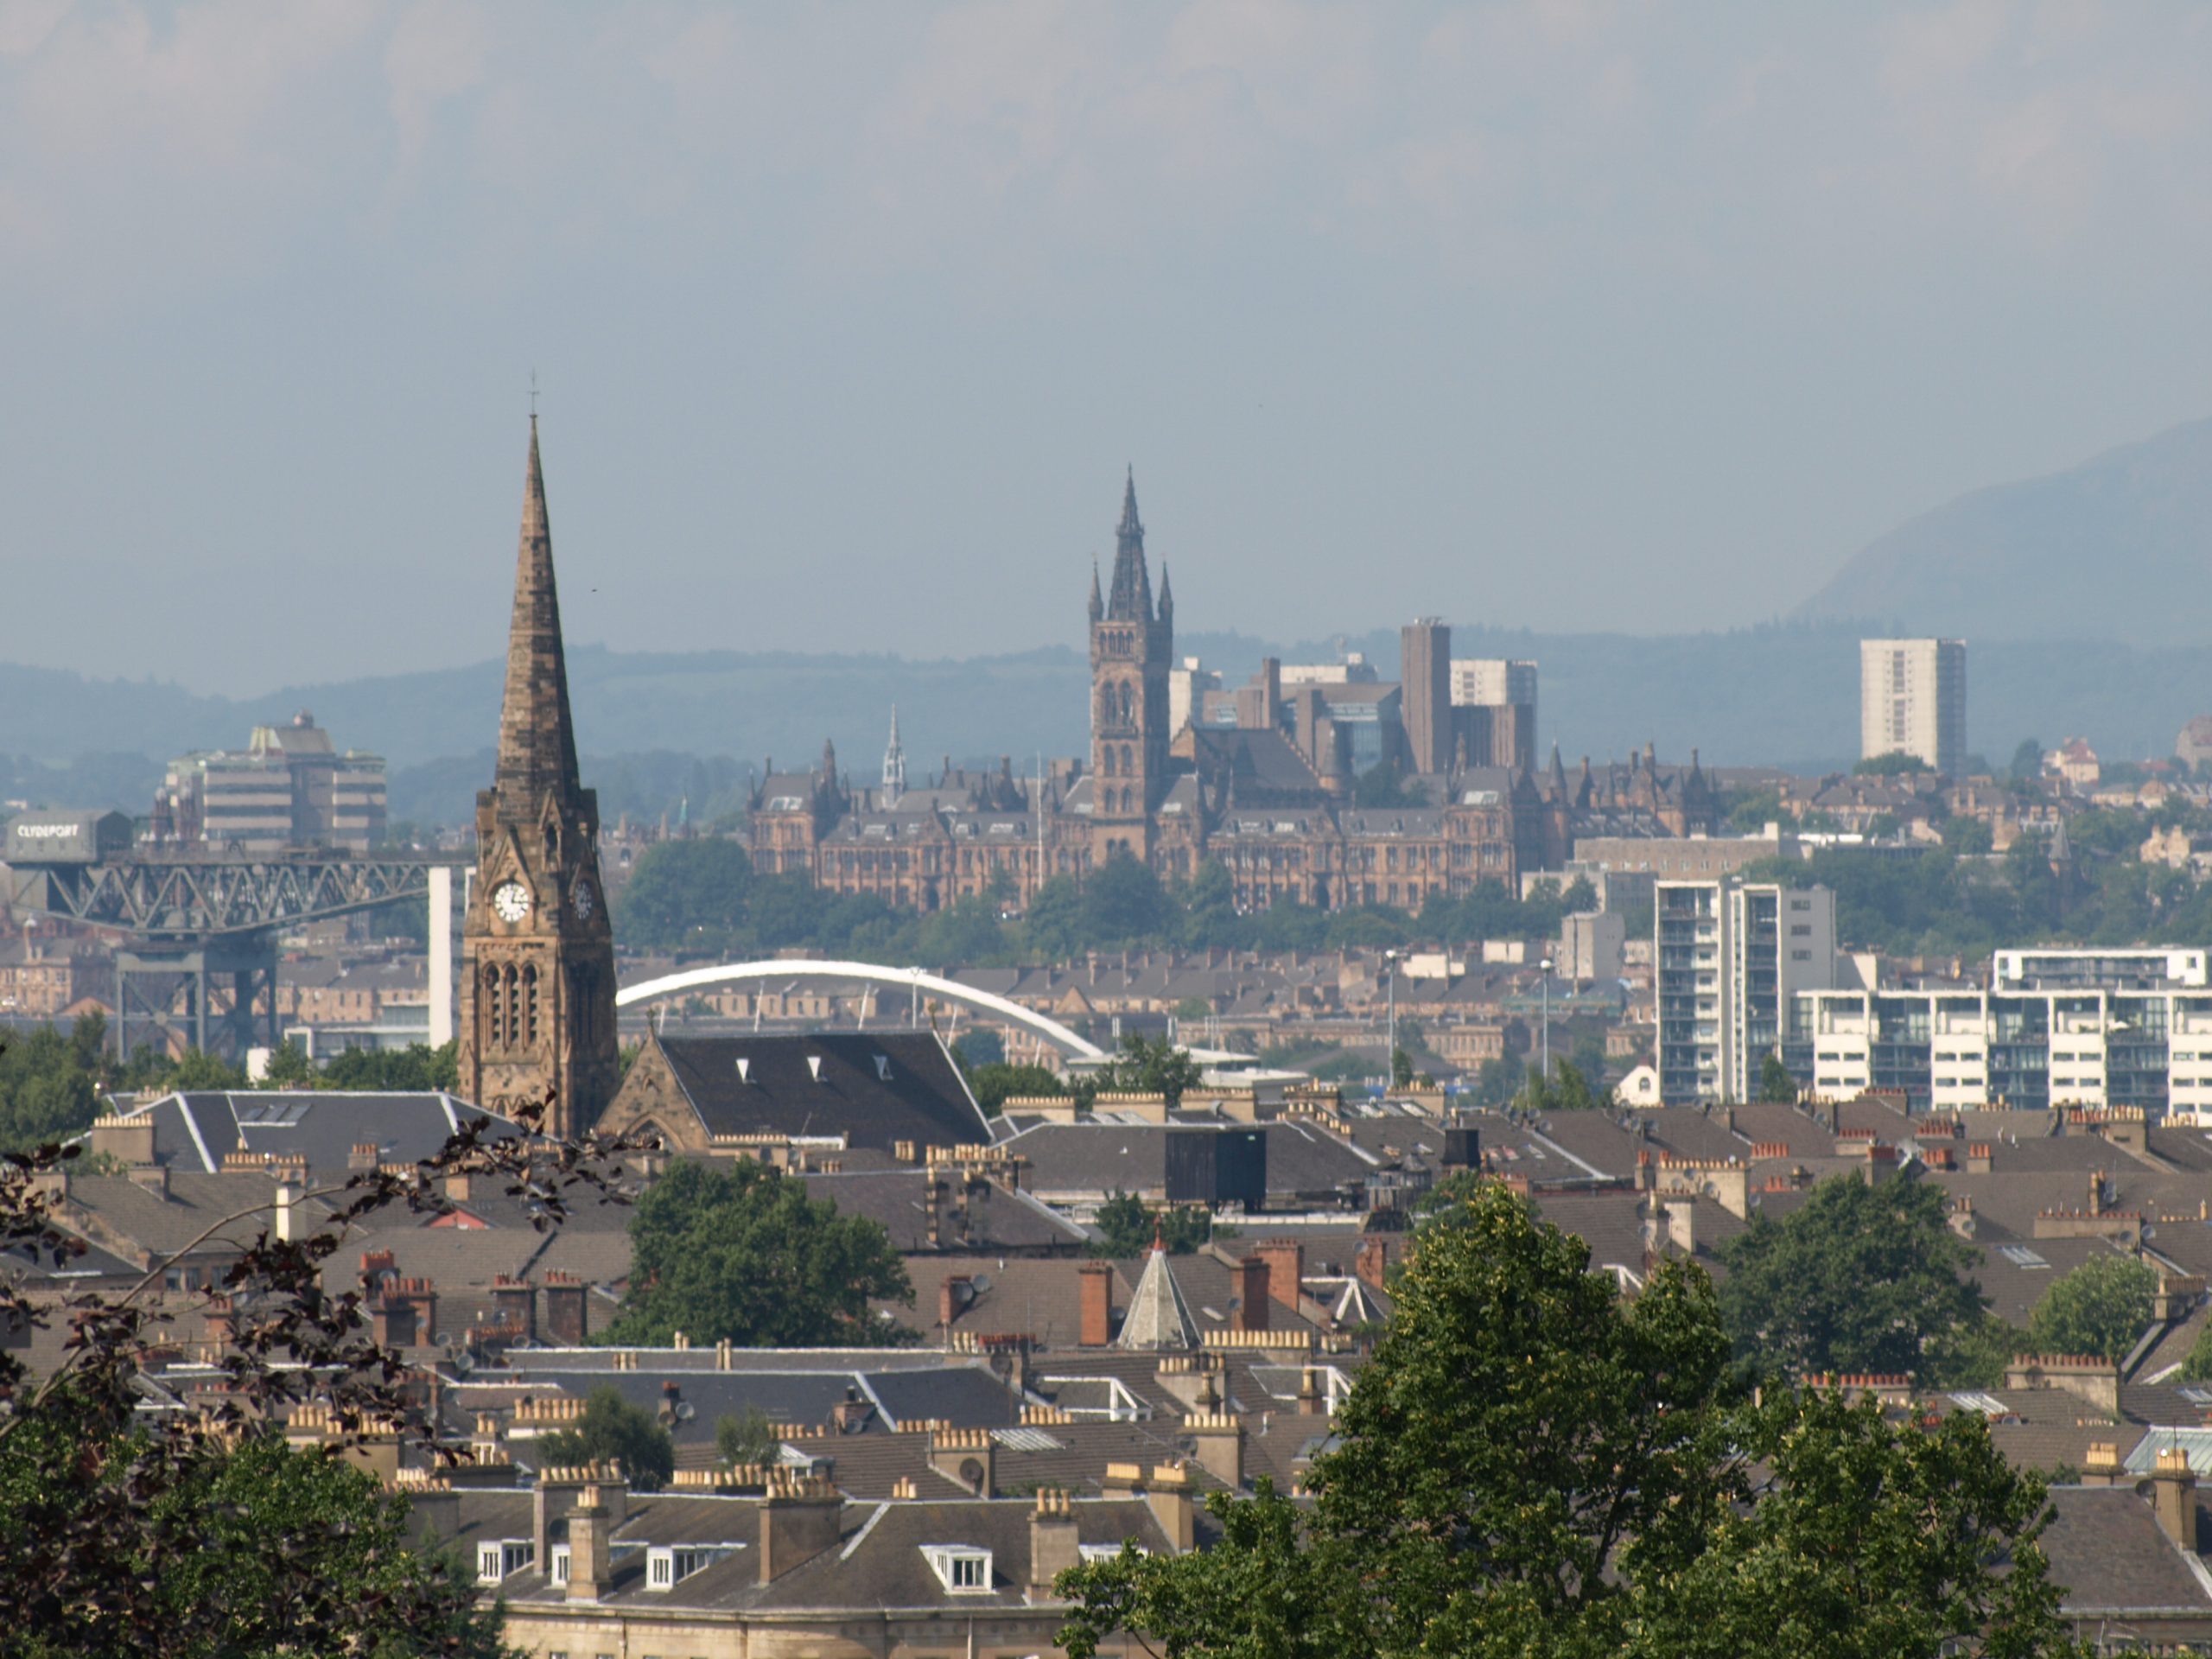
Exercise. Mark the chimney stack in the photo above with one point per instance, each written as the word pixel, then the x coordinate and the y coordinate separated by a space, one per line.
pixel 1095 1325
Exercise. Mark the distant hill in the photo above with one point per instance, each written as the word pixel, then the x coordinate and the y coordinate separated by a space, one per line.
pixel 659 729
pixel 2118 548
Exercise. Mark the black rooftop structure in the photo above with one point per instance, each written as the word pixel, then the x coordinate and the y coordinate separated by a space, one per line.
pixel 875 1089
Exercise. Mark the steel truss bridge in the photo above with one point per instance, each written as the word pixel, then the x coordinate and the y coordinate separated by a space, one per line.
pixel 202 962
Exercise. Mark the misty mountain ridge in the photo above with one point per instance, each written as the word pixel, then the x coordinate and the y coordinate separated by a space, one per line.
pixel 2047 579
pixel 2109 549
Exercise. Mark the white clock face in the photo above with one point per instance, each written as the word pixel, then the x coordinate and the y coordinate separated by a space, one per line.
pixel 584 899
pixel 510 901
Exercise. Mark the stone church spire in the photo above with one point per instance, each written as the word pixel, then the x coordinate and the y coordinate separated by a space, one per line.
pixel 1130 599
pixel 538 740
pixel 894 764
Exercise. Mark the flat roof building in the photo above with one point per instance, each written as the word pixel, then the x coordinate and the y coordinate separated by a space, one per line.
pixel 1912 700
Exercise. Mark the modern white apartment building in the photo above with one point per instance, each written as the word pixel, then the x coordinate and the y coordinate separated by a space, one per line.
pixel 1912 700
pixel 1730 961
pixel 2061 1028
pixel 1491 680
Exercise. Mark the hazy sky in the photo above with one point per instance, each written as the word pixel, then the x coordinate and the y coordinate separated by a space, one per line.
pixel 1637 316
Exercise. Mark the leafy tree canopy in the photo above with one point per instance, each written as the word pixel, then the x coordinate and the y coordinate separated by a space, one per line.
pixel 1857 1279
pixel 1895 763
pixel 740 1251
pixel 746 1437
pixel 1126 1228
pixel 2102 1307
pixel 1776 1086
pixel 613 1428
pixel 1147 1065
pixel 1531 1464
pixel 996 1084
pixel 49 1086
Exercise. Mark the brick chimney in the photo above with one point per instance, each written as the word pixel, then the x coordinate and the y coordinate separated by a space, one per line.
pixel 567 1314
pixel 591 1547
pixel 1054 1545
pixel 1373 1260
pixel 516 1303
pixel 2173 1495
pixel 361 1156
pixel 1219 1437
pixel 1313 1398
pixel 1249 1276
pixel 1286 1259
pixel 798 1520
pixel 950 1300
pixel 1095 1325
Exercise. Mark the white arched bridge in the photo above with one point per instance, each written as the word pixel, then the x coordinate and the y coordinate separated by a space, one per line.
pixel 911 979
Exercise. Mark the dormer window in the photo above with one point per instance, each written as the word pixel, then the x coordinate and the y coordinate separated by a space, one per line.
pixel 960 1567
pixel 744 1069
pixel 814 1066
pixel 883 1068
pixel 496 1559
pixel 669 1565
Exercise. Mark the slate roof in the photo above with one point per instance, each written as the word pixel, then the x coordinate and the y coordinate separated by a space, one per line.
pixel 873 1087
pixel 2106 1548
pixel 1094 1159
pixel 197 1129
pixel 996 1217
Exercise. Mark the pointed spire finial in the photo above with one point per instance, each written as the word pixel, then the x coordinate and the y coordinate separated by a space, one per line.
pixel 1130 598
pixel 537 744
pixel 1097 602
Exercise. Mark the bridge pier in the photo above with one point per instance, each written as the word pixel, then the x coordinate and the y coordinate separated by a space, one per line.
pixel 211 993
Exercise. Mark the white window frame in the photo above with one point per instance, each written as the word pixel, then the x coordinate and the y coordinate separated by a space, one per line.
pixel 953 1562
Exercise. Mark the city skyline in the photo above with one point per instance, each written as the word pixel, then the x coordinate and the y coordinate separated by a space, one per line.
pixel 1542 315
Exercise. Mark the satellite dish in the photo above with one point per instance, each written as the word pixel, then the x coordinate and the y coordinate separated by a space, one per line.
pixel 685 1411
pixel 462 1365
pixel 963 1291
pixel 982 1281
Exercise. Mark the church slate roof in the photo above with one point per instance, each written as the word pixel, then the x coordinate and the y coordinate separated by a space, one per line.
pixel 873 1087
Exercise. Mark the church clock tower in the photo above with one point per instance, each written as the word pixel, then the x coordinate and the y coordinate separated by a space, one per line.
pixel 537 953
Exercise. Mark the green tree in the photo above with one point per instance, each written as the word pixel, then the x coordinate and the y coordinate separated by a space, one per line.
pixel 290 1068
pixel 1967 838
pixel 740 1251
pixel 1864 1540
pixel 995 1084
pixel 1565 1090
pixel 2197 1366
pixel 414 1068
pixel 1381 786
pixel 1776 1086
pixel 747 1438
pixel 1401 1068
pixel 1123 901
pixel 1126 1228
pixel 1975 1355
pixel 688 893
pixel 195 1069
pixel 1857 1279
pixel 289 1551
pixel 1531 1464
pixel 1151 1066
pixel 47 1091
pixel 2102 1308
pixel 611 1427
pixel 2027 761
pixel 1895 763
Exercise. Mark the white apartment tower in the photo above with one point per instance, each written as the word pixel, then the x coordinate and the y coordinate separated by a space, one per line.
pixel 1729 960
pixel 1912 699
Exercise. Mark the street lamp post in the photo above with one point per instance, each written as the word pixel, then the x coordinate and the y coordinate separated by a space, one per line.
pixel 1390 1061
pixel 1544 987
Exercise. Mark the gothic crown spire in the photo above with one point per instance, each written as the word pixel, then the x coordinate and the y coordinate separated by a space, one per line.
pixel 1130 599
pixel 538 740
